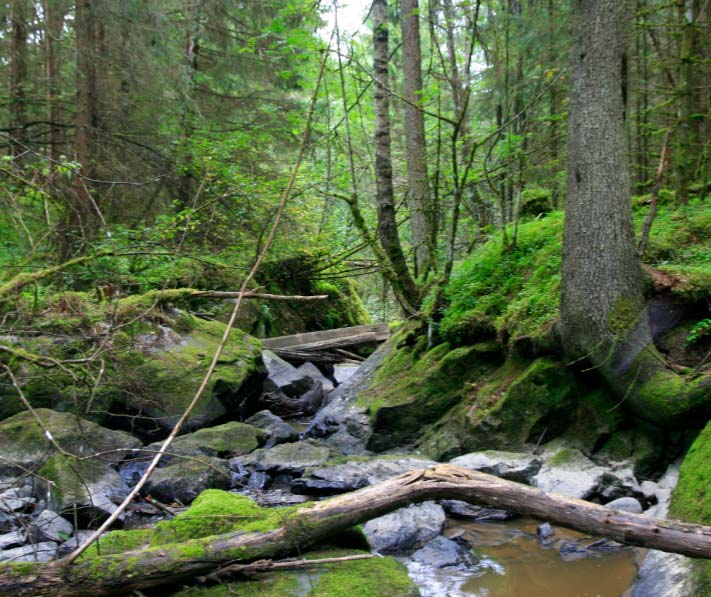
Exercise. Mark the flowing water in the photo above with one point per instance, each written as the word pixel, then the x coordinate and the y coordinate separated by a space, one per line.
pixel 513 564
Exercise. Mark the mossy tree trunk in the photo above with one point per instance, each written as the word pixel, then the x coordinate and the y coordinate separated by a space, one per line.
pixel 179 563
pixel 603 317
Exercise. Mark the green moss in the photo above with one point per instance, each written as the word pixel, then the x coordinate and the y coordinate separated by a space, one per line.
pixel 118 542
pixel 231 438
pixel 376 577
pixel 691 500
pixel 561 457
pixel 412 386
pixel 623 317
pixel 215 512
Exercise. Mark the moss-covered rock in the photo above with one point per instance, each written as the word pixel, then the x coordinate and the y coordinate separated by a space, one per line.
pixel 230 439
pixel 517 404
pixel 86 489
pixel 215 512
pixel 691 500
pixel 24 443
pixel 597 415
pixel 376 577
pixel 184 480
pixel 643 445
pixel 164 377
pixel 413 386
pixel 293 457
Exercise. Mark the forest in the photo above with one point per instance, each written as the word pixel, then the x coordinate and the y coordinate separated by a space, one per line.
pixel 355 298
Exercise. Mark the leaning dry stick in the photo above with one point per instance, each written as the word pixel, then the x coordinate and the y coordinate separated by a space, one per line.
pixel 121 574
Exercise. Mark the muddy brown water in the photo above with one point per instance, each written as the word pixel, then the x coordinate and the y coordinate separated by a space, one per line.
pixel 513 564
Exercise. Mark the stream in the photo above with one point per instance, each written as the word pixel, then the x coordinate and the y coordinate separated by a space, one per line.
pixel 511 563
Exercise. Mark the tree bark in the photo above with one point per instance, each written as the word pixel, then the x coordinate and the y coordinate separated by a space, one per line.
pixel 53 22
pixel 421 211
pixel 603 317
pixel 149 568
pixel 403 284
pixel 18 75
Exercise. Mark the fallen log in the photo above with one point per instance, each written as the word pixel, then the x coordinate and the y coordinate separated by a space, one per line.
pixel 180 563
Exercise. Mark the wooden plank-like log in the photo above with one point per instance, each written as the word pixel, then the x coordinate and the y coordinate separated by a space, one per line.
pixel 125 573
pixel 381 331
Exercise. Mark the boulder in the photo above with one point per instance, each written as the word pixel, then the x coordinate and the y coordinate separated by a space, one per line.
pixel 312 371
pixel 291 458
pixel 569 472
pixel 545 533
pixel 87 489
pixel 514 466
pixel 626 504
pixel 442 552
pixel 50 526
pixel 183 481
pixel 342 372
pixel 13 539
pixel 277 430
pixel 16 499
pixel 355 474
pixel 230 439
pixel 405 529
pixel 466 511
pixel 38 552
pixel 285 378
pixel 168 368
pixel 23 442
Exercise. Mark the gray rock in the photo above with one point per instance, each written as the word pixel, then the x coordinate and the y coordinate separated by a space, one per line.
pixel 50 526
pixel 312 371
pixel 13 539
pixel 185 480
pixel 341 423
pixel 11 502
pixel 459 509
pixel 355 474
pixel 284 377
pixel 626 504
pixel 292 458
pixel 39 552
pixel 68 546
pixel 442 552
pixel 278 431
pixel 649 490
pixel 342 372
pixel 664 574
pixel 405 529
pixel 88 488
pixel 515 466
pixel 545 533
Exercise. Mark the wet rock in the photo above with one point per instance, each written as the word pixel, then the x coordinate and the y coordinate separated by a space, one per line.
pixel 442 552
pixel 568 471
pixel 663 574
pixel 13 539
pixel 627 504
pixel 572 550
pixel 514 466
pixel 50 526
pixel 405 529
pixel 459 509
pixel 342 372
pixel 341 423
pixel 293 457
pixel 78 539
pixel 605 546
pixel 88 489
pixel 278 431
pixel 312 371
pixel 39 552
pixel 184 481
pixel 16 499
pixel 284 377
pixel 545 533
pixel 321 488
pixel 230 439
pixel 649 491
pixel 619 482
pixel 355 474
pixel 23 442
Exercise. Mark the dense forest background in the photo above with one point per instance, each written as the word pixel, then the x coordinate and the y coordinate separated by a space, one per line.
pixel 165 132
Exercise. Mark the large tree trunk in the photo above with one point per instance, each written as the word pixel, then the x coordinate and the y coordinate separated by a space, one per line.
pixel 603 317
pixel 53 23
pixel 403 284
pixel 144 569
pixel 421 212
pixel 19 13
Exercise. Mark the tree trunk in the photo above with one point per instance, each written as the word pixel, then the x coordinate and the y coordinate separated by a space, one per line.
pixel 53 23
pixel 603 317
pixel 19 13
pixel 421 212
pixel 179 563
pixel 403 285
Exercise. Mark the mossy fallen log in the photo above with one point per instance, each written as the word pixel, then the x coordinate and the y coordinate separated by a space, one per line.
pixel 171 563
